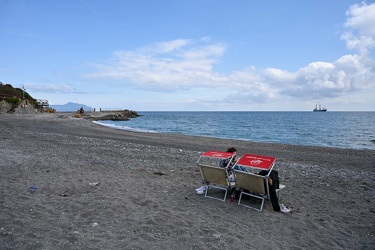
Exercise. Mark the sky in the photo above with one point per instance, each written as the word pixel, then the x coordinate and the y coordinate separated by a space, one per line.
pixel 192 55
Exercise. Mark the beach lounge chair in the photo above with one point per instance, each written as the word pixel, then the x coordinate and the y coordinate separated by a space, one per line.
pixel 214 176
pixel 252 184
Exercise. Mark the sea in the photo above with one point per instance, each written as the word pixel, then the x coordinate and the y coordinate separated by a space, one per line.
pixel 352 130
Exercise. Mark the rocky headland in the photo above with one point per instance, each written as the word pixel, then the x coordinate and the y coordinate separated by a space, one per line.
pixel 119 115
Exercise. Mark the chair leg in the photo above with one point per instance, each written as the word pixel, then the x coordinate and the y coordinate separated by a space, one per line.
pixel 278 194
pixel 215 187
pixel 255 196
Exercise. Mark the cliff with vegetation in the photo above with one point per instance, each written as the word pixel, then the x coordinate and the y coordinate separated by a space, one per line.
pixel 15 100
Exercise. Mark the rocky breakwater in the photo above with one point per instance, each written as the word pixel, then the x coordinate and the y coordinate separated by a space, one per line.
pixel 118 115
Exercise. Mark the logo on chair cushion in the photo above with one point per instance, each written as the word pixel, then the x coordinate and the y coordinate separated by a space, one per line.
pixel 256 162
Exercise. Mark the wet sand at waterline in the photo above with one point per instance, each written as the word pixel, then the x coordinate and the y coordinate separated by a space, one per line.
pixel 102 188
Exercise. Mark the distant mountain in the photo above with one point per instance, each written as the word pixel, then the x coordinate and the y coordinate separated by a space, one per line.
pixel 71 107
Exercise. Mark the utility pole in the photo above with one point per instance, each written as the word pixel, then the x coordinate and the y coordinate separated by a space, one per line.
pixel 23 92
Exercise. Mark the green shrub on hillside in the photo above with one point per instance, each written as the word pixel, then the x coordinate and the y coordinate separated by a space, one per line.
pixel 13 101
pixel 14 96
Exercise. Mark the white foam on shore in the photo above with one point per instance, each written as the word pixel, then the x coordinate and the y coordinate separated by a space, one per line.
pixel 127 128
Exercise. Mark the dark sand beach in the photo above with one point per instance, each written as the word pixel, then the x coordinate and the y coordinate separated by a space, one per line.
pixel 102 188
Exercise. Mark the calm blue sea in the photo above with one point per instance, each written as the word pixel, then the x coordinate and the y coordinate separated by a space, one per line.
pixel 355 130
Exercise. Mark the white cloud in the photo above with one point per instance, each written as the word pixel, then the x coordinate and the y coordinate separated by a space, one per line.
pixel 41 88
pixel 361 33
pixel 172 45
pixel 279 75
pixel 321 79
pixel 362 17
pixel 173 65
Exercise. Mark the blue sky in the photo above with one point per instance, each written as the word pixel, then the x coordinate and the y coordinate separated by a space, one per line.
pixel 193 55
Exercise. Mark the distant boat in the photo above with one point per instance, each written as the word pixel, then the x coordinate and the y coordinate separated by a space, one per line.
pixel 319 109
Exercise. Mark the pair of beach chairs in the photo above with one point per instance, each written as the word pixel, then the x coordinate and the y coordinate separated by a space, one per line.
pixel 232 177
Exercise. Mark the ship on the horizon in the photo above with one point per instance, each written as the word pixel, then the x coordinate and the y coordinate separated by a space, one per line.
pixel 319 109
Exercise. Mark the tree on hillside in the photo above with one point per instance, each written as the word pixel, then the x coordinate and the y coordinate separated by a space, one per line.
pixel 7 90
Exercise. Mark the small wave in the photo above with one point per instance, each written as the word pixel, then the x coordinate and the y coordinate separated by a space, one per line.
pixel 124 127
